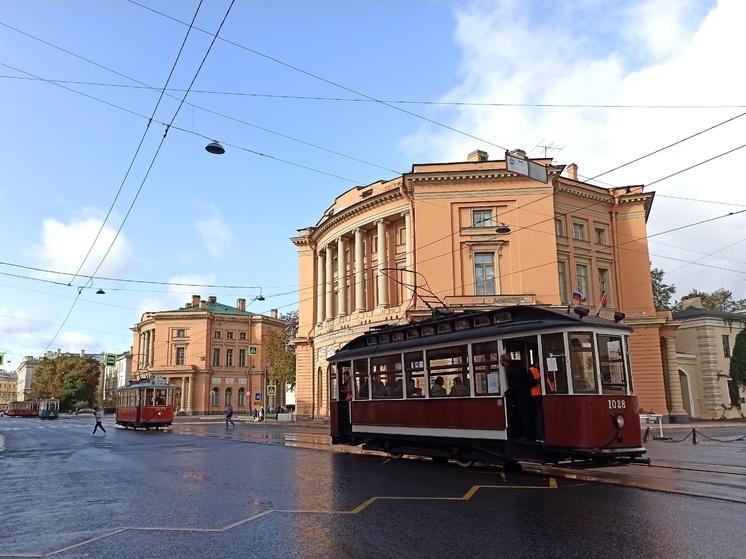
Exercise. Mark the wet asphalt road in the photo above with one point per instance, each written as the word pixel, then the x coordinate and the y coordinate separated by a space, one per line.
pixel 201 491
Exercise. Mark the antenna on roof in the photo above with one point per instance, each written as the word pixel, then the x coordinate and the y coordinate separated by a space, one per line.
pixel 548 147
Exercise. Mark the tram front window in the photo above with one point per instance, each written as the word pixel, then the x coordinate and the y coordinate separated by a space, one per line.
pixel 582 368
pixel 612 364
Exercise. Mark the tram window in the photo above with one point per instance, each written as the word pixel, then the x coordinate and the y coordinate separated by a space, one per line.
pixel 486 366
pixel 386 376
pixel 555 362
pixel 482 321
pixel 582 369
pixel 333 384
pixel 160 397
pixel 462 324
pixel 445 327
pixel 385 338
pixel 360 378
pixel 428 330
pixel 398 336
pixel 448 363
pixel 612 364
pixel 414 368
pixel 414 333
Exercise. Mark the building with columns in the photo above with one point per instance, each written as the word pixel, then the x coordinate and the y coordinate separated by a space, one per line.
pixel 704 345
pixel 211 352
pixel 438 235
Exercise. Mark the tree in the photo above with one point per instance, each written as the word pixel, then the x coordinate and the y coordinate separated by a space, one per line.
pixel 69 378
pixel 719 300
pixel 662 293
pixel 280 354
pixel 738 368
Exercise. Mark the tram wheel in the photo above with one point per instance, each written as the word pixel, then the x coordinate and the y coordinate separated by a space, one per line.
pixel 395 455
pixel 464 463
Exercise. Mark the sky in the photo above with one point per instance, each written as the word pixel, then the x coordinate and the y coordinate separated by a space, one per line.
pixel 106 108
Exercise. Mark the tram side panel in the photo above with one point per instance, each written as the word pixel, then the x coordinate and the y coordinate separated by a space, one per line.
pixel 578 421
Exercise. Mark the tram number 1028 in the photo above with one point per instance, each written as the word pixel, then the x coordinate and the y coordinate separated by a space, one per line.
pixel 617 404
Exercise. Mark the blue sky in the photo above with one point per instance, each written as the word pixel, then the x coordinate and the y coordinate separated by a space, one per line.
pixel 289 88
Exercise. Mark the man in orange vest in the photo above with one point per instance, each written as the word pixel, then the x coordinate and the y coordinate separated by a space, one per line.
pixel 536 399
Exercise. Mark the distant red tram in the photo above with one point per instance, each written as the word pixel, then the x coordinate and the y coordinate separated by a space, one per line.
pixel 146 404
pixel 393 405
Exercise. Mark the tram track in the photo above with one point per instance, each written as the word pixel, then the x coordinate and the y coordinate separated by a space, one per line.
pixel 726 483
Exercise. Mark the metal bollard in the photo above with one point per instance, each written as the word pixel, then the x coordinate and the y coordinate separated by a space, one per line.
pixel 694 437
pixel 645 436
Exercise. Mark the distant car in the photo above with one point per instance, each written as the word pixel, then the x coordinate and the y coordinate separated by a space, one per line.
pixel 86 410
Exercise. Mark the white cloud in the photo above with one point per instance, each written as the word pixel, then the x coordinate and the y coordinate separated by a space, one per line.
pixel 664 52
pixel 217 236
pixel 64 246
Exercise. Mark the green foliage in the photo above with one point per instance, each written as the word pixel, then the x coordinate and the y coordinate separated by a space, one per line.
pixel 662 293
pixel 280 357
pixel 738 367
pixel 69 378
pixel 719 300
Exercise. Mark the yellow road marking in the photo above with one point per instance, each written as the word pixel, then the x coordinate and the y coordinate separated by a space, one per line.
pixel 467 496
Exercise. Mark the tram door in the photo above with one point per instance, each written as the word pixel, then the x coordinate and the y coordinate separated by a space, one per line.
pixel 340 405
pixel 519 408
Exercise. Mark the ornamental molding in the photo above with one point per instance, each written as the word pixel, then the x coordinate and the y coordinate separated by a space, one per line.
pixel 362 208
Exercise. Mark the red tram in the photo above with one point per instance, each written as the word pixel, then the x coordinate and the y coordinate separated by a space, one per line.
pixel 396 400
pixel 27 408
pixel 146 404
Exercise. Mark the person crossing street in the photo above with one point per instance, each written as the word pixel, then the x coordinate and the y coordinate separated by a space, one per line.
pixel 229 416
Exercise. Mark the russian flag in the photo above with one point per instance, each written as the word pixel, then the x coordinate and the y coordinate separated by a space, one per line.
pixel 578 296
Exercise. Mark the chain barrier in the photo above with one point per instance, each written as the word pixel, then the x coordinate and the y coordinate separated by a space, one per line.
pixel 694 434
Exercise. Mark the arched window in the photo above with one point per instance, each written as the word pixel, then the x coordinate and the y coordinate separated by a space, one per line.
pixel 241 397
pixel 228 396
pixel 214 402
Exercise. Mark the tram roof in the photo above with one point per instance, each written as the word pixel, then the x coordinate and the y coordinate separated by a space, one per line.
pixel 496 322
pixel 147 383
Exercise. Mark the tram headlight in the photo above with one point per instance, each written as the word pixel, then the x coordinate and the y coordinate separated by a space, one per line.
pixel 619 420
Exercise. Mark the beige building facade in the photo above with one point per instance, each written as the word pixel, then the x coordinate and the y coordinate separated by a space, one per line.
pixel 8 382
pixel 211 352
pixel 476 234
pixel 704 342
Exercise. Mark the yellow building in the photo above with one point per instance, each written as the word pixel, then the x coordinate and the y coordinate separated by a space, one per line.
pixel 8 383
pixel 211 352
pixel 477 234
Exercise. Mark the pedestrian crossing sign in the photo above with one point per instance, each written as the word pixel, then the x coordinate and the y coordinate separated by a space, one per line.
pixel 253 350
pixel 270 389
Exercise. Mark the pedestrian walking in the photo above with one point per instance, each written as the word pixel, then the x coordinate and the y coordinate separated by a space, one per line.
pixel 229 416
pixel 99 415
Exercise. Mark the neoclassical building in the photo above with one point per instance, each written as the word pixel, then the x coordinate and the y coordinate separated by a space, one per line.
pixel 476 234
pixel 211 352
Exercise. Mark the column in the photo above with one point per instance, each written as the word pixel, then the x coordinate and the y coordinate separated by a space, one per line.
pixel 674 384
pixel 329 283
pixel 383 283
pixel 141 352
pixel 190 381
pixel 147 349
pixel 183 394
pixel 408 277
pixel 341 277
pixel 152 347
pixel 320 287
pixel 359 272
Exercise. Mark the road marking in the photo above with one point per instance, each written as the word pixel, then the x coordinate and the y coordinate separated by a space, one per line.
pixel 467 496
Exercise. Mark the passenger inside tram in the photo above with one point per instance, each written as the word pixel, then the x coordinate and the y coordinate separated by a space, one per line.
pixel 458 388
pixel 437 389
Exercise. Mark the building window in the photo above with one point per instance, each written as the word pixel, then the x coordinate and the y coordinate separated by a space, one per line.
pixel 581 278
pixel 214 398
pixel 559 226
pixel 228 396
pixel 217 334
pixel 216 357
pixel 374 244
pixel 578 231
pixel 229 335
pixel 562 278
pixel 401 236
pixel 241 397
pixel 242 335
pixel 603 286
pixel 601 236
pixel 241 357
pixel 180 355
pixel 229 357
pixel 484 273
pixel 726 345
pixel 481 218
pixel 180 334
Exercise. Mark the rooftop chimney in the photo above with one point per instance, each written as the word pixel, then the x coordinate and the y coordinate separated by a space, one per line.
pixel 82 353
pixel 212 299
pixel 241 304
pixel 477 155
pixel 273 313
pixel 572 171
pixel 203 304
pixel 195 300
